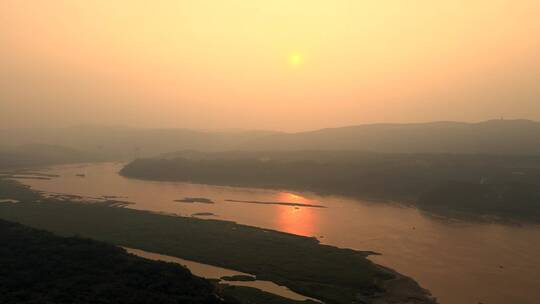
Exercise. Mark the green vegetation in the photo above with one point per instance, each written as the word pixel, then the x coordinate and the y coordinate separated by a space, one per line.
pixel 505 200
pixel 10 189
pixel 505 186
pixel 39 267
pixel 326 272
pixel 331 274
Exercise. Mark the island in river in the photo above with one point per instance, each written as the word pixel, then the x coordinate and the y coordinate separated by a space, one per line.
pixel 202 200
pixel 331 274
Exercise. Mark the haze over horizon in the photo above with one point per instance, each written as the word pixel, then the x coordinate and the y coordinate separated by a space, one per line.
pixel 96 126
pixel 269 152
pixel 275 65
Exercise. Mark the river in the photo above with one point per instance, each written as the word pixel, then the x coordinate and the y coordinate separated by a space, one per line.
pixel 460 262
pixel 216 273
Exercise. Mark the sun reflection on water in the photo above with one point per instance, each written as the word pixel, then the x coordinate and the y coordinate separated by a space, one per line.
pixel 296 220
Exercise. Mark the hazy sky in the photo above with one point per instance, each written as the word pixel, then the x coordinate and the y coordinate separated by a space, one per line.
pixel 279 64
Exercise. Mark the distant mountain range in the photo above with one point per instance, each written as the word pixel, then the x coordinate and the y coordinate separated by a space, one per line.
pixel 511 137
pixel 489 137
pixel 31 155
pixel 129 143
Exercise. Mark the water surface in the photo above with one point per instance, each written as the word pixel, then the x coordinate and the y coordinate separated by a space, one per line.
pixel 459 262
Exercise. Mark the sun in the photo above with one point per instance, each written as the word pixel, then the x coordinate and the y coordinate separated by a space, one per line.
pixel 296 59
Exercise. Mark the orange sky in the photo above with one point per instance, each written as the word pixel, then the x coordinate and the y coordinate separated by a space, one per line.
pixel 281 64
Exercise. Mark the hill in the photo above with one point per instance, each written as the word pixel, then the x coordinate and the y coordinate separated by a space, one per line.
pixel 513 137
pixel 31 155
pixel 508 137
pixel 127 143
